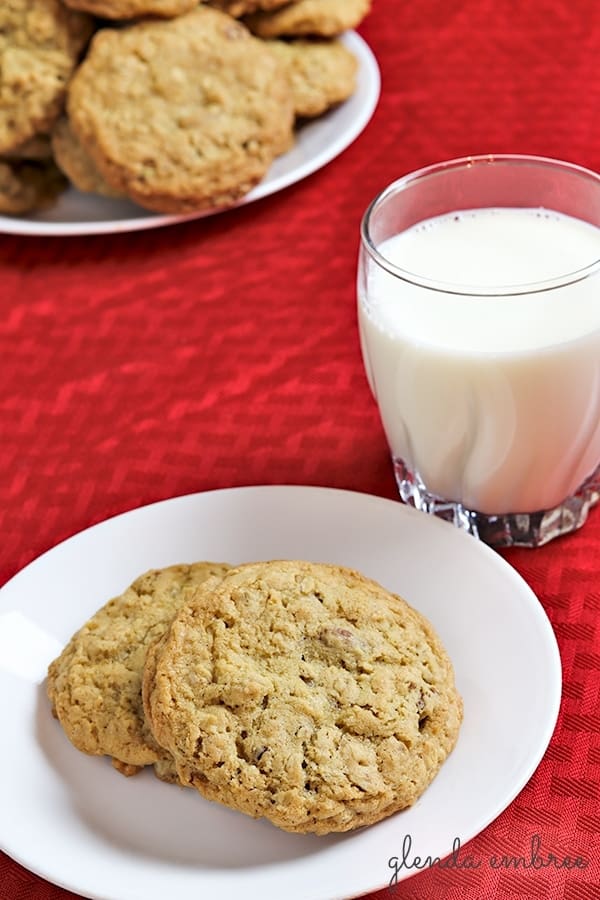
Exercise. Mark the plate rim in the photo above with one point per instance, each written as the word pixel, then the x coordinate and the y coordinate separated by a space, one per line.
pixel 549 643
pixel 24 226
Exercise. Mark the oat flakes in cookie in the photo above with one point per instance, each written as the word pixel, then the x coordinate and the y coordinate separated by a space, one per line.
pixel 324 18
pixel 306 694
pixel 321 73
pixel 40 44
pixel 133 9
pixel 181 115
pixel 95 684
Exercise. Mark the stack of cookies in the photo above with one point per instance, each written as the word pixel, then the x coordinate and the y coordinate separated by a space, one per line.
pixel 40 45
pixel 179 106
pixel 303 693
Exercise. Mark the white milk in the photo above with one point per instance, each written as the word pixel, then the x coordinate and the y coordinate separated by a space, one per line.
pixel 494 401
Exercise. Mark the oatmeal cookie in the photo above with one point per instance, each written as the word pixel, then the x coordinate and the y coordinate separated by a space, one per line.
pixel 321 73
pixel 28 185
pixel 40 44
pixel 132 9
pixel 95 684
pixel 164 767
pixel 181 115
pixel 38 147
pixel 238 8
pixel 304 693
pixel 325 18
pixel 77 165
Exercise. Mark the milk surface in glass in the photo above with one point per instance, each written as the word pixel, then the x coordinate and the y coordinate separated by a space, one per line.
pixel 493 400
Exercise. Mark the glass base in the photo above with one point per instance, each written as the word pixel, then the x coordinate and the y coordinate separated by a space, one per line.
pixel 510 529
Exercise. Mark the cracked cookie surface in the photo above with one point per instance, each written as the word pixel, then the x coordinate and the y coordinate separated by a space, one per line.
pixel 95 684
pixel 304 693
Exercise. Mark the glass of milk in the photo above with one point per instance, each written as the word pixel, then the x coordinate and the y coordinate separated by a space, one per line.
pixel 479 319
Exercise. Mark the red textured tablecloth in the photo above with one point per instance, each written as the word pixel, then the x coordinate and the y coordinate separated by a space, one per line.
pixel 224 352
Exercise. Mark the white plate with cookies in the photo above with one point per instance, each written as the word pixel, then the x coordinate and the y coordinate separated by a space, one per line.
pixel 74 820
pixel 317 142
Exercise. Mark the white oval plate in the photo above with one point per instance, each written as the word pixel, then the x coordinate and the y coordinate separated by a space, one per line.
pixel 72 819
pixel 317 143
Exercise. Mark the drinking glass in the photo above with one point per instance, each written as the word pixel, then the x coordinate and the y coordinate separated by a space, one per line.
pixel 479 321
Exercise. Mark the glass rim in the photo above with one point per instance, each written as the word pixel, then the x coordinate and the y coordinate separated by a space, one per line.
pixel 471 290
